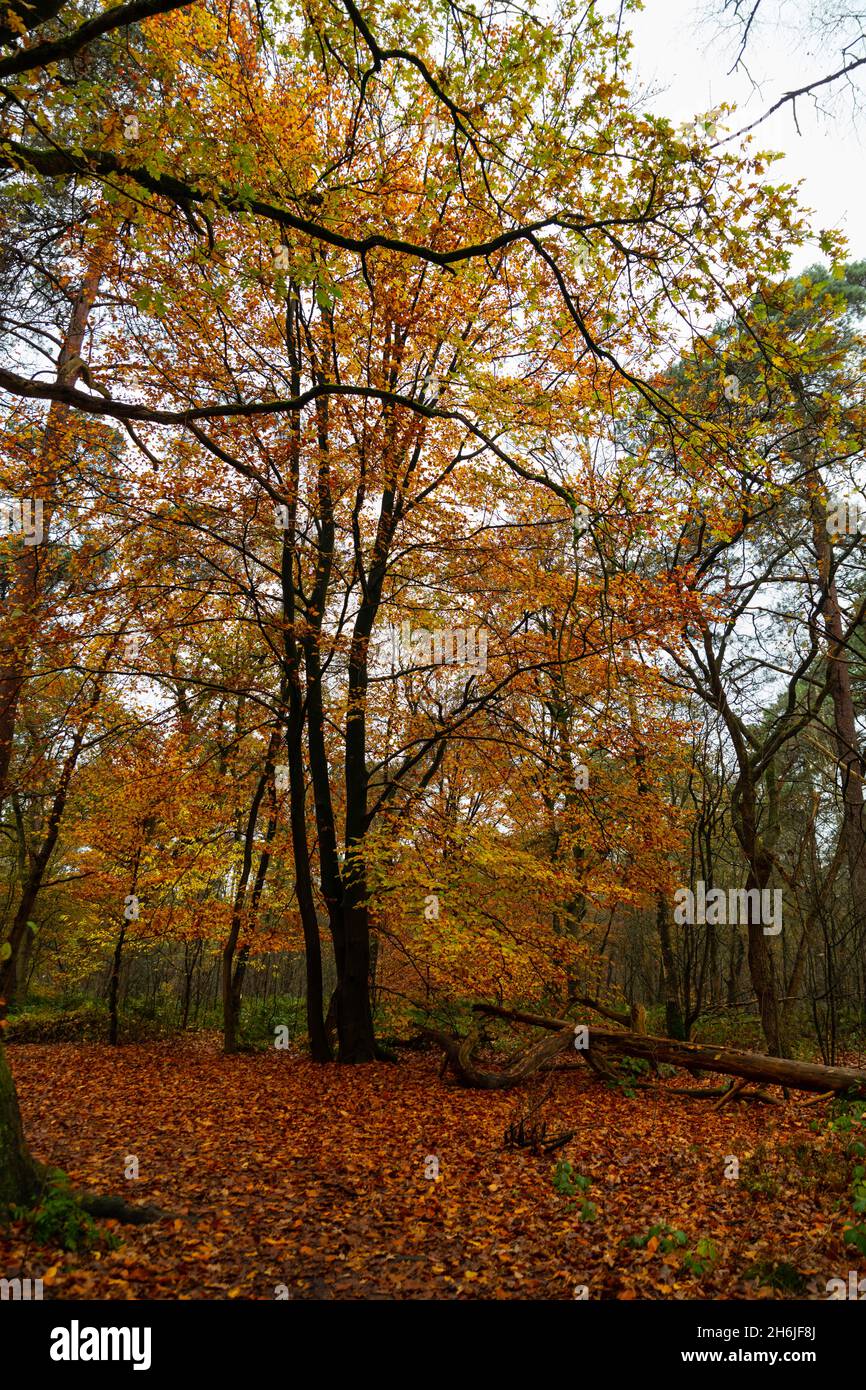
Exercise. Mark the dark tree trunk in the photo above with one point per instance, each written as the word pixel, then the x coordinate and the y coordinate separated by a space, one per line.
pixel 761 965
pixel 757 847
pixel 675 1025
pixel 114 978
pixel 19 1175
pixel 320 1048
pixel 234 963
pixel 190 966
pixel 354 1015
pixel 114 986
pixel 851 764
pixel 232 1002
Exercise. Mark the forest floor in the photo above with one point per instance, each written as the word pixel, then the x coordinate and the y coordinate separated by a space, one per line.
pixel 276 1172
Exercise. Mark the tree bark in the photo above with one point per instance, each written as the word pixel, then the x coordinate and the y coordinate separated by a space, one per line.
pixel 114 985
pixel 19 1174
pixel 234 962
pixel 114 978
pixel 674 1021
pixel 850 761
pixel 320 1047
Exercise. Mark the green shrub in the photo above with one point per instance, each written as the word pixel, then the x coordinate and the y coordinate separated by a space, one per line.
pixel 702 1258
pixel 668 1240
pixel 568 1182
pixel 51 1023
pixel 59 1219
pixel 261 1017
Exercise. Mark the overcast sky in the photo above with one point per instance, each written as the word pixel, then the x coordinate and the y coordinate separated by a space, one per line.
pixel 680 54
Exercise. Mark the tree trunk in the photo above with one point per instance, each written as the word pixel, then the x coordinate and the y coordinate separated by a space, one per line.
pixel 459 1055
pixel 190 965
pixel 674 1021
pixel 19 1174
pixel 851 764
pixel 354 1015
pixel 320 1049
pixel 114 978
pixel 758 852
pixel 761 966
pixel 114 986
pixel 234 962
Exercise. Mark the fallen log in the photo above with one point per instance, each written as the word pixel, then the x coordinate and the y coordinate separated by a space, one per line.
pixel 728 1061
pixel 458 1056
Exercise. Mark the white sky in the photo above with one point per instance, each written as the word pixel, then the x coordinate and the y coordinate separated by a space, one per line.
pixel 680 55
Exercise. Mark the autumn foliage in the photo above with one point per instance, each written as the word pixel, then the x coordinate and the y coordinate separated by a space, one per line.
pixel 434 455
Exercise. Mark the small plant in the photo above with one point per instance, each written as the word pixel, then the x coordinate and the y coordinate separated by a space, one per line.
pixel 635 1066
pixel 59 1219
pixel 660 1238
pixel 570 1183
pixel 629 1070
pixel 567 1181
pixel 702 1258
pixel 776 1274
